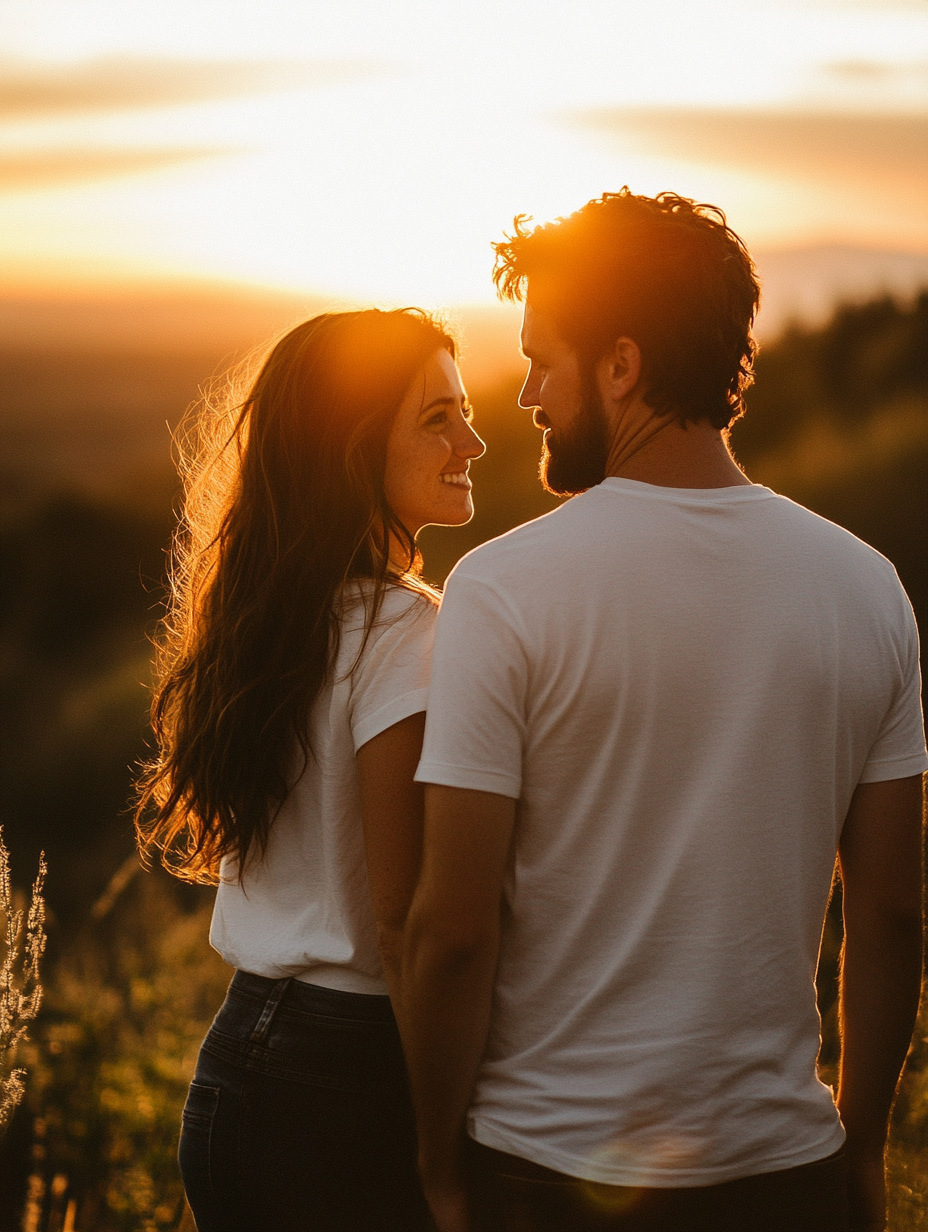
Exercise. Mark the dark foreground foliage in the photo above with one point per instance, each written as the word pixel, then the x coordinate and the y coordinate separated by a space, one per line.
pixel 838 420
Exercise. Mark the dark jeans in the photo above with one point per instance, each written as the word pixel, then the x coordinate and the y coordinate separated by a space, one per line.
pixel 510 1194
pixel 299 1116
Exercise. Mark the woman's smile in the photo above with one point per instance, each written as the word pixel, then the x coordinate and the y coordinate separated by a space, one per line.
pixel 459 478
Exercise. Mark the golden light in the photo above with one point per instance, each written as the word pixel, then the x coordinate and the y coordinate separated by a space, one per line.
pixel 371 152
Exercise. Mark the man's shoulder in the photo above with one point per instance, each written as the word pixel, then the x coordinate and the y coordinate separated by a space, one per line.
pixel 523 546
pixel 833 538
pixel 813 557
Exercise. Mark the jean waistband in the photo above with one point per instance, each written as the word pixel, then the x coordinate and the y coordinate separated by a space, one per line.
pixel 306 1033
pixel 312 998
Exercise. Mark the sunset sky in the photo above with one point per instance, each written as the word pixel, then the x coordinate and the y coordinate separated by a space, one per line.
pixel 373 148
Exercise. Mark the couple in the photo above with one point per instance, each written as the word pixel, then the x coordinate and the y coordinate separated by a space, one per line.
pixel 558 938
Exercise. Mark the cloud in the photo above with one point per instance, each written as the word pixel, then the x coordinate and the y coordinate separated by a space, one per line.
pixel 121 83
pixel 889 151
pixel 854 71
pixel 873 6
pixel 31 170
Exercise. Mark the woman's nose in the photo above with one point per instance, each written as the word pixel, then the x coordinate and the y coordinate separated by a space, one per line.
pixel 469 445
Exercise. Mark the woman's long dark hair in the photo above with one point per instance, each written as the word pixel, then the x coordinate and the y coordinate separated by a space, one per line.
pixel 284 504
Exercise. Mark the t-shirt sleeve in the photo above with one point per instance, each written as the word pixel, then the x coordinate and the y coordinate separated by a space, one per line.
pixel 475 727
pixel 899 749
pixel 391 681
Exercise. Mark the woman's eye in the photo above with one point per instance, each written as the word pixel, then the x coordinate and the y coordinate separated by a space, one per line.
pixel 437 421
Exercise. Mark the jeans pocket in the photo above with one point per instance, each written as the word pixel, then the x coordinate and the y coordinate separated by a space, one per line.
pixel 195 1151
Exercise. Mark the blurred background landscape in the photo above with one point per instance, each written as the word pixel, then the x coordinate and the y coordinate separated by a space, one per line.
pixel 182 179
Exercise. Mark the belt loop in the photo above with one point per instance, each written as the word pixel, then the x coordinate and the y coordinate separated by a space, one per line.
pixel 270 1009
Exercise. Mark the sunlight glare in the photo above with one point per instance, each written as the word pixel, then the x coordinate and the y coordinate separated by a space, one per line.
pixel 392 183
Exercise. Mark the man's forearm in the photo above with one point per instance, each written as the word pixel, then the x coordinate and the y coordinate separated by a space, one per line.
pixel 880 855
pixel 449 964
pixel 447 993
pixel 881 975
pixel 390 948
pixel 880 984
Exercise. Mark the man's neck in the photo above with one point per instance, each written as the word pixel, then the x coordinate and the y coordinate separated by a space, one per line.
pixel 673 455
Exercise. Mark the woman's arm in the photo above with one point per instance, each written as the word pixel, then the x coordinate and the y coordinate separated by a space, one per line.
pixel 391 810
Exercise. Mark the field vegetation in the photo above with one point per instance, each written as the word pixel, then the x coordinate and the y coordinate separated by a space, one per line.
pixel 838 420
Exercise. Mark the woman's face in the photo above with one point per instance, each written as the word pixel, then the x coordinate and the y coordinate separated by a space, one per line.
pixel 430 448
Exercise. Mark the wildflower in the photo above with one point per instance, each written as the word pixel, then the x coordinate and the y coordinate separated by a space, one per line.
pixel 19 998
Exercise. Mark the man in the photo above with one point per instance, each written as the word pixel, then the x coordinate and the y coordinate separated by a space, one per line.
pixel 655 715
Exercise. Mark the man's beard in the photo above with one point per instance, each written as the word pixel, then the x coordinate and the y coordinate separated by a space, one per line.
pixel 576 458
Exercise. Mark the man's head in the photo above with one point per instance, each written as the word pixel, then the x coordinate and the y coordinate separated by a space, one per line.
pixel 567 405
pixel 661 278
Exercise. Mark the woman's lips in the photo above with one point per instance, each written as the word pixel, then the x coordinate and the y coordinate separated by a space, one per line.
pixel 457 479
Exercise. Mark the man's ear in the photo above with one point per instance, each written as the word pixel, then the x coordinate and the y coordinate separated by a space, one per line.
pixel 620 370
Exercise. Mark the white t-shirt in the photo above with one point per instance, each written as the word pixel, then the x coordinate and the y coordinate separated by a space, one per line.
pixel 305 909
pixel 682 688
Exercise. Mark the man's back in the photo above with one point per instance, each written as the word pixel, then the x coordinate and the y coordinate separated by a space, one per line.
pixel 682 687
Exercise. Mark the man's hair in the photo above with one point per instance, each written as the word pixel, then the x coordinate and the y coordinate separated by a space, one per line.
pixel 663 271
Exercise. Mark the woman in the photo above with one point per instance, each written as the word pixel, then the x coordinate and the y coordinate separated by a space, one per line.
pixel 289 718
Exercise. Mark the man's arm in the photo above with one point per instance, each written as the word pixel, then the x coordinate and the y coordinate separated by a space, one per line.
pixel 880 856
pixel 452 943
pixel 391 812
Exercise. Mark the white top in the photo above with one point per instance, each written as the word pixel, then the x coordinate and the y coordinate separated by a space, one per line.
pixel 682 688
pixel 305 909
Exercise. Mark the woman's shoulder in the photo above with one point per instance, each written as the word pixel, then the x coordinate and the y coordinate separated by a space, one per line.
pixel 401 603
pixel 389 647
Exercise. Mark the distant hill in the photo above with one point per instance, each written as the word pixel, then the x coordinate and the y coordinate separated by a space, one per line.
pixel 806 284
pixel 215 321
